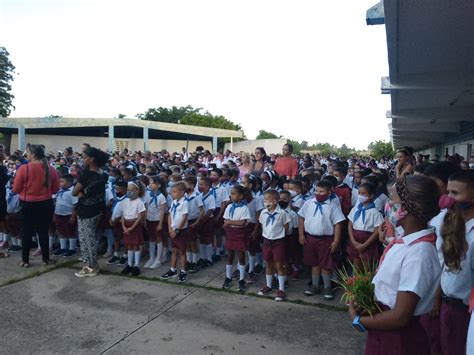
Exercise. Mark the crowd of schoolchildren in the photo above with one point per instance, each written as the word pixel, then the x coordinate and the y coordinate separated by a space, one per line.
pixel 196 211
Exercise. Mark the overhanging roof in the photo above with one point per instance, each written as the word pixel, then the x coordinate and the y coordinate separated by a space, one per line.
pixel 63 122
pixel 431 69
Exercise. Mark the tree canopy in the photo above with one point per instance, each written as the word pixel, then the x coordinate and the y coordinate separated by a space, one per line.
pixel 6 77
pixel 266 135
pixel 381 149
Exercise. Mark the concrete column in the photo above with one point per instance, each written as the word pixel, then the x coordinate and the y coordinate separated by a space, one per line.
pixel 111 139
pixel 145 139
pixel 21 138
pixel 214 144
pixel 231 144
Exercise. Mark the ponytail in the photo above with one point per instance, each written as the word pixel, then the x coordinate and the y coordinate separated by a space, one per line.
pixel 453 232
pixel 38 151
pixel 46 181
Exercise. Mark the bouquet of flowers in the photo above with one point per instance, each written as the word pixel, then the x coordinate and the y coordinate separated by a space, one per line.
pixel 358 288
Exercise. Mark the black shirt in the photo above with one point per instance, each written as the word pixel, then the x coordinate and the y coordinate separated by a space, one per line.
pixel 93 202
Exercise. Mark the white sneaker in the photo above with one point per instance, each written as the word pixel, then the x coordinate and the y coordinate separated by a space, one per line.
pixel 156 264
pixel 87 272
pixel 149 263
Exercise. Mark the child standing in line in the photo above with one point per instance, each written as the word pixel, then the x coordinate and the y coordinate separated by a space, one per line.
pixel 297 199
pixel 222 199
pixel 65 217
pixel 13 220
pixel 293 247
pixel 117 230
pixel 196 213
pixel 275 222
pixel 206 227
pixel 236 217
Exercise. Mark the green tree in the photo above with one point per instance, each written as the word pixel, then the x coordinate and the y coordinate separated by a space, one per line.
pixel 6 77
pixel 266 135
pixel 381 149
pixel 170 115
pixel 121 115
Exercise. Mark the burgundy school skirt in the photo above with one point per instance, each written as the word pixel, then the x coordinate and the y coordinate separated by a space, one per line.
pixel 13 224
pixel 369 254
pixel 454 321
pixel 63 227
pixel 134 238
pixel 206 232
pixel 193 232
pixel 432 327
pixel 274 251
pixel 254 245
pixel 153 234
pixel 236 238
pixel 410 340
pixel 316 251
pixel 181 242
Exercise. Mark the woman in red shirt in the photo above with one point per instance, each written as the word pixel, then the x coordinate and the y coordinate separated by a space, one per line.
pixel 287 165
pixel 35 183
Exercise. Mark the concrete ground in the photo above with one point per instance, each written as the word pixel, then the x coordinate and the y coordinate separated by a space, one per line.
pixel 49 311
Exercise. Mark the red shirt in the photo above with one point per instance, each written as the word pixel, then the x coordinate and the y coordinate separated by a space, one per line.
pixel 28 183
pixel 344 193
pixel 286 166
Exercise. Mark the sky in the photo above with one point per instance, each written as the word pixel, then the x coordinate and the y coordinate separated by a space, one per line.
pixel 304 69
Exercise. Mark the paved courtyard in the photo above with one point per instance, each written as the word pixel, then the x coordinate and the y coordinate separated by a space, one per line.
pixel 49 311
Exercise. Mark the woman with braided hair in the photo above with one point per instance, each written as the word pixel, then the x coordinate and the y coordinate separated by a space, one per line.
pixel 408 273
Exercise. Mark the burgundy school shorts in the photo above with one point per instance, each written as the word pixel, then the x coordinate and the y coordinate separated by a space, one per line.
pixel 294 250
pixel 63 227
pixel 454 322
pixel 432 327
pixel 369 254
pixel 236 238
pixel 13 224
pixel 316 252
pixel 274 251
pixel 254 245
pixel 135 237
pixel 152 233
pixel 193 232
pixel 206 232
pixel 181 242
pixel 117 231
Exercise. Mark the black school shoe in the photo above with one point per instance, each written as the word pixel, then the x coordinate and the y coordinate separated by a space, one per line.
pixel 258 270
pixel 193 268
pixel 216 258
pixel 60 252
pixel 183 276
pixel 122 261
pixel 135 271
pixel 127 270
pixel 113 260
pixel 227 283
pixel 169 274
pixel 242 286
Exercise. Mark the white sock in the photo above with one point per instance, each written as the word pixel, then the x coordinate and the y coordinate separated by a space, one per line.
pixel 327 281
pixel 159 250
pixel 269 279
pixel 281 283
pixel 228 271
pixel 72 243
pixel 2 237
pixel 117 254
pixel 202 250
pixel 63 243
pixel 51 242
pixel 210 251
pixel 259 258
pixel 251 263
pixel 14 241
pixel 152 250
pixel 173 269
pixel 165 253
pixel 130 258
pixel 315 279
pixel 241 271
pixel 189 256
pixel 18 242
pixel 138 254
pixel 195 258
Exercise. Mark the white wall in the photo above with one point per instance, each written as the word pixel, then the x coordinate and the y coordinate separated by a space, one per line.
pixel 55 143
pixel 460 148
pixel 271 146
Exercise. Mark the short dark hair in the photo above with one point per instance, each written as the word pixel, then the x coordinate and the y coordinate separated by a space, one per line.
pixel 68 177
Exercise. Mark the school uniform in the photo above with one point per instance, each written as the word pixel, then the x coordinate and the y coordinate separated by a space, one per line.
pixel 221 195
pixel 131 210
pixel 298 201
pixel 13 218
pixel 365 219
pixel 63 209
pixel 194 208
pixel 294 248
pixel 236 238
pixel 179 209
pixel 104 222
pixel 408 264
pixel 154 202
pixel 344 193
pixel 207 228
pixel 380 202
pixel 255 206
pixel 273 231
pixel 319 222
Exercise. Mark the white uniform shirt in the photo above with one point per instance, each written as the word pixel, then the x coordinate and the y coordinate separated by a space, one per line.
pixel 298 201
pixel 373 219
pixel 220 194
pixel 194 204
pixel 117 207
pixel 208 201
pixel 290 213
pixel 437 222
pixel 255 206
pixel 177 211
pixel 237 212
pixel 65 202
pixel 321 221
pixel 273 224
pixel 13 202
pixel 132 208
pixel 355 197
pixel 109 194
pixel 154 203
pixel 412 267
pixel 458 284
pixel 380 202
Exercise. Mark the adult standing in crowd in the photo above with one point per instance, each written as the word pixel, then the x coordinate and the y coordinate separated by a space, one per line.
pixel 405 163
pixel 3 182
pixel 287 165
pixel 246 165
pixel 260 159
pixel 35 183
pixel 91 192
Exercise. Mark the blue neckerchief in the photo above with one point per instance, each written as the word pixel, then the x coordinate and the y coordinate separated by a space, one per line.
pixel 332 196
pixel 10 196
pixel 271 218
pixel 296 198
pixel 117 200
pixel 234 206
pixel 361 211
pixel 154 197
pixel 61 192
pixel 204 198
pixel 174 208
pixel 318 206
pixel 189 199
pixel 259 193
pixel 213 190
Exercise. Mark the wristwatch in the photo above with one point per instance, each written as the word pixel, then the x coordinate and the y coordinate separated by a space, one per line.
pixel 357 324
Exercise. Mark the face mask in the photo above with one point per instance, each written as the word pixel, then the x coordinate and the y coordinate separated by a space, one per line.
pixel 120 194
pixel 293 193
pixel 321 198
pixel 445 201
pixel 362 199
pixel 132 195
pixel 465 205
pixel 283 204
pixel 112 179
pixel 394 213
pixel 214 178
pixel 268 205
